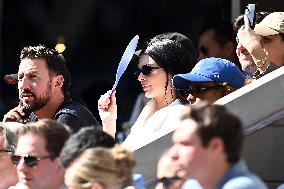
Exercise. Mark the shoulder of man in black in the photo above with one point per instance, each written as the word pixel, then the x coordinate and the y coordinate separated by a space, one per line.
pixel 75 115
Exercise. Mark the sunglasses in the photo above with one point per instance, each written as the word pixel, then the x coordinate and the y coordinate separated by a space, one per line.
pixel 5 151
pixel 30 161
pixel 196 90
pixel 168 181
pixel 146 70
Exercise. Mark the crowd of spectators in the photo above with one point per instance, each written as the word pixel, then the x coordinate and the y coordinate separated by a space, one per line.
pixel 52 141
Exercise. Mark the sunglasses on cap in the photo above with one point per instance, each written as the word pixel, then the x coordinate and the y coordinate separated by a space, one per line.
pixel 168 181
pixel 146 70
pixel 30 161
pixel 196 90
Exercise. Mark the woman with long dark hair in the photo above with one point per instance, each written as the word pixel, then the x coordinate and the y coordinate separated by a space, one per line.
pixel 158 63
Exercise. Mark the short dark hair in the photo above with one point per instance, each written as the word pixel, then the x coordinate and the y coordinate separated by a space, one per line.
pixel 239 21
pixel 86 137
pixel 54 133
pixel 55 62
pixel 223 31
pixel 216 121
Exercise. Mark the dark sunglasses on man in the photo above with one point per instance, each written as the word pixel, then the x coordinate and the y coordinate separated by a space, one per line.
pixel 196 90
pixel 30 161
pixel 5 151
pixel 168 181
pixel 145 70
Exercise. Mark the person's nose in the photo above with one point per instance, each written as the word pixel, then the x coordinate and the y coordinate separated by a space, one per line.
pixel 173 153
pixel 239 48
pixel 141 77
pixel 22 167
pixel 191 98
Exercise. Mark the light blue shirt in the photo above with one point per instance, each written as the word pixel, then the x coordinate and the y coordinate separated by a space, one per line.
pixel 239 177
pixel 191 184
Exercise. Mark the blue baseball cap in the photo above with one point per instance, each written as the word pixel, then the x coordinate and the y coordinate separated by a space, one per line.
pixel 211 70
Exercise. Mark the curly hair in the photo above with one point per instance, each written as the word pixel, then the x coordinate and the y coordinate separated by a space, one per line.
pixel 55 62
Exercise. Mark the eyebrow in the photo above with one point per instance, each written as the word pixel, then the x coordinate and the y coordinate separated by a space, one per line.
pixel 152 65
pixel 29 72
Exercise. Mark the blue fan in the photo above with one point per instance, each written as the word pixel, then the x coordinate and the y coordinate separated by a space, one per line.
pixel 125 59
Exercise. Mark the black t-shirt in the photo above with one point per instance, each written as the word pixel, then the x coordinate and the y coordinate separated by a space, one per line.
pixel 73 114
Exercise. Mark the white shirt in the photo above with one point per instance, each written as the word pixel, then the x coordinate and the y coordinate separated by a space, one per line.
pixel 151 126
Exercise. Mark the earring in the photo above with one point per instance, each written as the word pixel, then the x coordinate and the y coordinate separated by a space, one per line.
pixel 165 95
pixel 172 92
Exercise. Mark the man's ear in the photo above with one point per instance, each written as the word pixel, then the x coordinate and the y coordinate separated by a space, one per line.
pixel 59 80
pixel 59 167
pixel 216 144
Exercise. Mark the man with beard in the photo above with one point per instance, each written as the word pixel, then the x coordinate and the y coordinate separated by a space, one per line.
pixel 44 84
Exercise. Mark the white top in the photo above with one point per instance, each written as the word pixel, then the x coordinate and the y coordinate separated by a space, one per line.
pixel 149 127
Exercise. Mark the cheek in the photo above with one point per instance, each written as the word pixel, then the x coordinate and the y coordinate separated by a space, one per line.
pixel 272 54
pixel 211 95
pixel 187 155
pixel 34 84
pixel 158 80
pixel 5 162
pixel 270 48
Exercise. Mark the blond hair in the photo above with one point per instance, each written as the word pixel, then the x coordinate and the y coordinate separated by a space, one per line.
pixel 110 167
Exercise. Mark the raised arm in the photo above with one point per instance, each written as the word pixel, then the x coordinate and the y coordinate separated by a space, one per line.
pixel 17 114
pixel 108 112
pixel 251 41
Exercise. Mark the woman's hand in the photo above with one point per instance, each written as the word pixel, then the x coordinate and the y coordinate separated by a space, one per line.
pixel 108 112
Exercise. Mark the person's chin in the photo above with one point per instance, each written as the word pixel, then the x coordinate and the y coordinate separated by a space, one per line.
pixel 27 100
pixel 182 174
pixel 148 94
